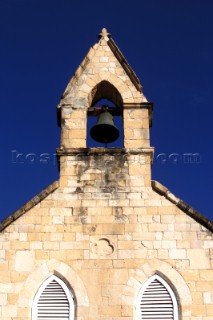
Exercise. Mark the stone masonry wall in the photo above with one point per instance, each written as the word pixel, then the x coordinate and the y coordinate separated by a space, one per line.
pixel 101 64
pixel 105 231
pixel 102 227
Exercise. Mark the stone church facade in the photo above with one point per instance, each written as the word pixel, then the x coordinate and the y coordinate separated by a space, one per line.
pixel 105 241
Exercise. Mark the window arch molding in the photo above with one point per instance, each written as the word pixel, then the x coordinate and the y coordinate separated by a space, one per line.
pixel 149 292
pixel 64 300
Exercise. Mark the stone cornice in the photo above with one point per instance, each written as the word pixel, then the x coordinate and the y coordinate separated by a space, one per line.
pixel 100 151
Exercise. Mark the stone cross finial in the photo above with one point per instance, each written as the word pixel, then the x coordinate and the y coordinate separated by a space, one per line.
pixel 104 33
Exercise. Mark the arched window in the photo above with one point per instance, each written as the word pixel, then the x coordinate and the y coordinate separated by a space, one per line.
pixel 53 300
pixel 156 301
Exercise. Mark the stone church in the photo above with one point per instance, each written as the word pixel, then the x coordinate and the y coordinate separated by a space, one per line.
pixel 105 242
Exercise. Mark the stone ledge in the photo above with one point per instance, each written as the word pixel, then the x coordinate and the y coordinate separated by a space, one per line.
pixel 96 151
pixel 29 205
pixel 197 216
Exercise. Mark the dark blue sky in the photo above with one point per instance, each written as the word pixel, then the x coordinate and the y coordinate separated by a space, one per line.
pixel 168 43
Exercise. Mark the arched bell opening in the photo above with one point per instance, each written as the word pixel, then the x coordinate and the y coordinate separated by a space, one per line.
pixel 105 117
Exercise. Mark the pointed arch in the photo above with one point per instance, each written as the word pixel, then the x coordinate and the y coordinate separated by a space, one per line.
pixel 156 300
pixel 105 93
pixel 27 291
pixel 53 298
pixel 162 268
pixel 105 89
pixel 127 92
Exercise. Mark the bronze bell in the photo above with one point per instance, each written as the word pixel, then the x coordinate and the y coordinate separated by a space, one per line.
pixel 105 130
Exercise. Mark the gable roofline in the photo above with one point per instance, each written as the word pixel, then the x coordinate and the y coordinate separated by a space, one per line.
pixel 104 35
pixel 185 207
pixel 156 186
pixel 128 69
pixel 29 205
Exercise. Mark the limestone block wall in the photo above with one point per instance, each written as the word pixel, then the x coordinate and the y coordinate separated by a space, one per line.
pixel 102 227
pixel 106 232
pixel 136 128
pixel 135 125
pixel 104 73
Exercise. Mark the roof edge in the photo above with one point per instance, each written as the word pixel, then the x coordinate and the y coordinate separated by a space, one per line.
pixel 126 66
pixel 29 205
pixel 189 210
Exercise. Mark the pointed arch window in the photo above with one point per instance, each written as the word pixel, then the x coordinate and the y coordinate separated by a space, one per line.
pixel 53 300
pixel 156 301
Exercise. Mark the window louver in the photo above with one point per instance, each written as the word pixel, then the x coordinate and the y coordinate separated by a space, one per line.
pixel 53 303
pixel 156 302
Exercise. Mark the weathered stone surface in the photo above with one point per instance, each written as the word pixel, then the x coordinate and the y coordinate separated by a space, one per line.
pixel 104 227
pixel 24 261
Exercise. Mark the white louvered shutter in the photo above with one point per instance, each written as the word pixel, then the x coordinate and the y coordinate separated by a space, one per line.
pixel 157 301
pixel 53 301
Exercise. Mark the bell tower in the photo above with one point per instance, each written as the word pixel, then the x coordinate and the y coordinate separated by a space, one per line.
pixel 108 174
pixel 104 242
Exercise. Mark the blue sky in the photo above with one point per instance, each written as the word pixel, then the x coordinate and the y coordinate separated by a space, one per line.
pixel 169 45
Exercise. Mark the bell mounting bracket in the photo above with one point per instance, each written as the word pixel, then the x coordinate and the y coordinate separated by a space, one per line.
pixel 95 111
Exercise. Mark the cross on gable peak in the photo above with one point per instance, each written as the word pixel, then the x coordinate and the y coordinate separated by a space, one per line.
pixel 104 33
